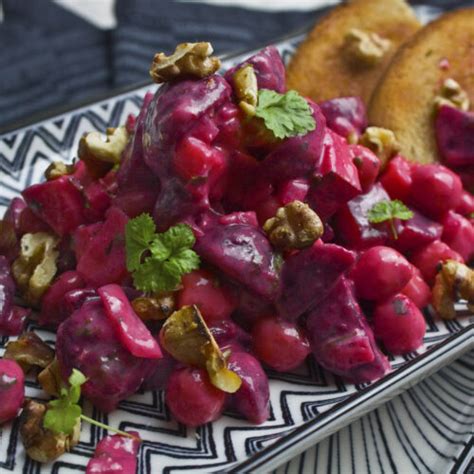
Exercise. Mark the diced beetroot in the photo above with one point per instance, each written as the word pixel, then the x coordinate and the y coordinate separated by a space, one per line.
pixel 308 276
pixel 30 223
pixel 458 233
pixel 467 177
pixel 53 310
pixel 243 253
pixel 296 157
pixel 455 136
pixel 252 398
pixel 336 178
pixel 293 190
pixel 66 260
pixel 399 324
pixel 191 397
pixel 279 343
pixel 428 258
pixel 81 174
pixel 466 205
pixel 247 218
pixel 328 235
pixel 380 273
pixel 74 299
pixel 397 178
pixel 367 164
pixel 345 115
pixel 251 308
pixel 131 330
pixel 203 289
pixel 14 323
pixel 227 333
pixel 417 290
pixel 9 242
pixel 340 338
pixel 353 226
pixel 88 342
pixel 135 202
pixel 444 187
pixel 268 67
pixel 102 260
pixel 267 209
pixel 63 214
pixel 416 232
pixel 12 389
pixel 115 454
pixel 97 201
pixel 82 236
pixel 162 368
pixel 13 213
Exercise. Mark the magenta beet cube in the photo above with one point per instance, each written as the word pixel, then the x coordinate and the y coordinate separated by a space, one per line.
pixel 13 213
pixel 336 178
pixel 341 339
pixel 455 136
pixel 309 275
pixel 62 214
pixel 458 233
pixel 102 260
pixel 352 222
pixel 293 190
pixel 97 201
pixel 12 389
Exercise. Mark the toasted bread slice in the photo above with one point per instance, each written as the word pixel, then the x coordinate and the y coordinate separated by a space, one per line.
pixel 321 70
pixel 404 99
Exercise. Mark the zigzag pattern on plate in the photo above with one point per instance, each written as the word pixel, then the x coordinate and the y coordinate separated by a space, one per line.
pixel 296 398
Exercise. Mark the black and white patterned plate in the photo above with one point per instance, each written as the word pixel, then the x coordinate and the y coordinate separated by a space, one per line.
pixel 306 406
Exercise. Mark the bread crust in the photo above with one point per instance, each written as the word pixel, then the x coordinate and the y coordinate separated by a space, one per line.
pixel 404 98
pixel 320 70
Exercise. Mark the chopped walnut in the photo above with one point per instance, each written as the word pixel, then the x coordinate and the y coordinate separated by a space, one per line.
pixel 93 148
pixel 364 47
pixel 35 267
pixel 246 89
pixel 50 379
pixel 29 351
pixel 452 94
pixel 382 142
pixel 57 169
pixel 453 282
pixel 188 60
pixel 155 307
pixel 42 444
pixel 295 226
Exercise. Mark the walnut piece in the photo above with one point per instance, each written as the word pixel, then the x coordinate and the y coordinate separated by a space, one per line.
pixel 92 146
pixel 42 444
pixel 188 60
pixel 364 47
pixel 452 94
pixel 453 282
pixel 155 307
pixel 57 169
pixel 29 351
pixel 295 226
pixel 246 89
pixel 35 267
pixel 50 379
pixel 382 142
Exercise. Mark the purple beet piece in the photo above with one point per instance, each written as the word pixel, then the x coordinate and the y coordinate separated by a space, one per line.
pixel 352 222
pixel 226 332
pixel 341 339
pixel 160 372
pixel 88 342
pixel 74 299
pixel 248 218
pixel 53 309
pixel 243 253
pixel 336 178
pixel 97 201
pixel 14 211
pixel 296 157
pixel 345 115
pixel 268 67
pixel 252 398
pixel 455 136
pixel 308 276
pixel 417 232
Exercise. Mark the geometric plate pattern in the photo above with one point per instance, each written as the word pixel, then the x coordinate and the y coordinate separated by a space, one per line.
pixel 306 406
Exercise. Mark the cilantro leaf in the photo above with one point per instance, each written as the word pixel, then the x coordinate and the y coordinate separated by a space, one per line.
pixel 170 255
pixel 286 115
pixel 387 211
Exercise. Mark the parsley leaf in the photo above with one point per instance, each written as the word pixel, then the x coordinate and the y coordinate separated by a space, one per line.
pixel 286 115
pixel 170 254
pixel 384 211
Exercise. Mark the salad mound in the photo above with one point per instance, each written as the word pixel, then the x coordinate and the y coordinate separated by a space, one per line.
pixel 231 226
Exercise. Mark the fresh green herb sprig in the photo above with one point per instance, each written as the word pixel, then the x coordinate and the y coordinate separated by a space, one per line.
pixel 387 211
pixel 157 261
pixel 286 115
pixel 63 413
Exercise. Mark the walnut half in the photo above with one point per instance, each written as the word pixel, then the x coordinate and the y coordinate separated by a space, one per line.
pixel 453 282
pixel 452 94
pixel 188 60
pixel 246 89
pixel 92 146
pixel 364 47
pixel 295 226
pixel 382 142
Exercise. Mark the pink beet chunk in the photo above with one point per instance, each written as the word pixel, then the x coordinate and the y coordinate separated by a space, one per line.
pixel 131 330
pixel 12 389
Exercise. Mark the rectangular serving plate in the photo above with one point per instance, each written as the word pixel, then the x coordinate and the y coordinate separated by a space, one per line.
pixel 307 405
